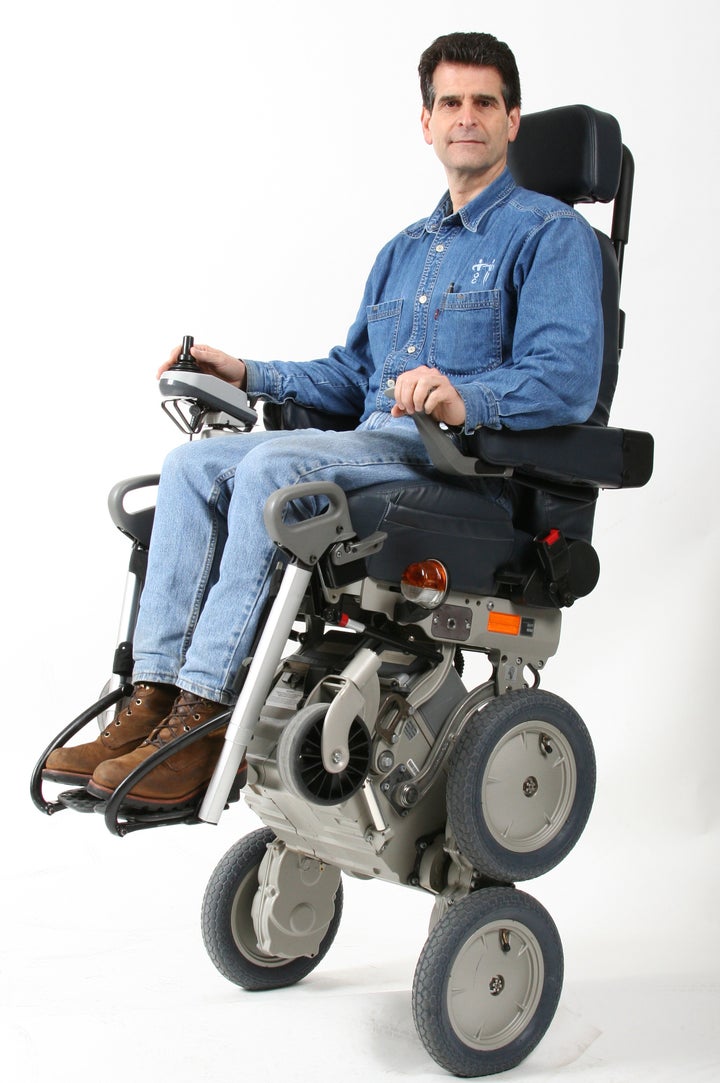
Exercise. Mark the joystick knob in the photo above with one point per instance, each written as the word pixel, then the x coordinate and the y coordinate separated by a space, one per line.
pixel 186 362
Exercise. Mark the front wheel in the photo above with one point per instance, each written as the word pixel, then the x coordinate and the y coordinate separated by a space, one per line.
pixel 228 929
pixel 488 982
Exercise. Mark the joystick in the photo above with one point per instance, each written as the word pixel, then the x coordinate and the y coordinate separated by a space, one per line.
pixel 186 362
pixel 197 401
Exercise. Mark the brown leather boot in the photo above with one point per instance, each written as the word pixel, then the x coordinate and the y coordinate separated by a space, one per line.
pixel 182 778
pixel 148 706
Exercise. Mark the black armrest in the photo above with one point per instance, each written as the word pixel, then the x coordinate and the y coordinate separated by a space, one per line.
pixel 579 455
pixel 293 415
pixel 605 458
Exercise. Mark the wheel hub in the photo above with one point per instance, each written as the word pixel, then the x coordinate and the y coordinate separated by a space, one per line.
pixel 530 786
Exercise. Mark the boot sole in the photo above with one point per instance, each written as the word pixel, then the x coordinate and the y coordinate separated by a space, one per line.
pixel 146 804
pixel 66 777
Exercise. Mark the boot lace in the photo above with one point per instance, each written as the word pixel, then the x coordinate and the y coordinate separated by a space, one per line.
pixel 183 714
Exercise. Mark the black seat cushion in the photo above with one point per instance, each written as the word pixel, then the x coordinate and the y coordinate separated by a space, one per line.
pixel 469 532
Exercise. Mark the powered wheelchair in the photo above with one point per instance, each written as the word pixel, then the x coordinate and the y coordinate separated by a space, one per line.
pixel 366 753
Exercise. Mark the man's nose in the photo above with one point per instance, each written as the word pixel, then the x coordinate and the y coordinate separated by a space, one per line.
pixel 467 116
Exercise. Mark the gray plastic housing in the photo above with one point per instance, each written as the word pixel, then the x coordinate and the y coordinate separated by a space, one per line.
pixel 209 390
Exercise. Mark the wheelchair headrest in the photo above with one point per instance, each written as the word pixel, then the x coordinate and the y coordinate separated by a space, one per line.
pixel 573 152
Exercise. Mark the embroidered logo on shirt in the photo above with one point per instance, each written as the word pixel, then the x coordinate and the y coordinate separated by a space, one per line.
pixel 478 268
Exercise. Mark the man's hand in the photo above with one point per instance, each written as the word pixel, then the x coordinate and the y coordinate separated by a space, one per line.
pixel 214 362
pixel 428 391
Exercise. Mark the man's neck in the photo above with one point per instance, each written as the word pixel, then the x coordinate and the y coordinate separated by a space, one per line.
pixel 464 188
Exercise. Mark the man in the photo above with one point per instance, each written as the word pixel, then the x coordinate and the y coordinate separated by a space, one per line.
pixel 486 313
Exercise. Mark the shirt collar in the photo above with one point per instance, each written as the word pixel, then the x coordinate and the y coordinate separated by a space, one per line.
pixel 473 212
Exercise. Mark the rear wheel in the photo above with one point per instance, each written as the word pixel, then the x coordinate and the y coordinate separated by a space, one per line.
pixel 228 929
pixel 488 982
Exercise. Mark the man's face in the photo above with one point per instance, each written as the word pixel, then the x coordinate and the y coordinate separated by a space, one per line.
pixel 469 126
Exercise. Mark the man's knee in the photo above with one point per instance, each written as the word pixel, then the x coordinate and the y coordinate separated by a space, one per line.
pixel 278 462
pixel 206 458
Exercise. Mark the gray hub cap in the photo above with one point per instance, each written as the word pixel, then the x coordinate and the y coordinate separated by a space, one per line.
pixel 495 985
pixel 528 787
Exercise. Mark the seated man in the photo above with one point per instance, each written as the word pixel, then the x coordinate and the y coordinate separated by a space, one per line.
pixel 486 313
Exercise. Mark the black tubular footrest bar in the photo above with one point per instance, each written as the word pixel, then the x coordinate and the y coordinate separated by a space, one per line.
pixel 114 804
pixel 49 807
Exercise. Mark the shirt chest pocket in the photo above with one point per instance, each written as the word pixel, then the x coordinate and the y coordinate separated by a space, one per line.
pixel 383 323
pixel 467 333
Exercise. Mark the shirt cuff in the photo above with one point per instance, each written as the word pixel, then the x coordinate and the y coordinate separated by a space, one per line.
pixel 481 408
pixel 261 379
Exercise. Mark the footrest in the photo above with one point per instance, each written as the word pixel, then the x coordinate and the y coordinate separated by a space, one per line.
pixel 135 819
pixel 122 819
pixel 78 800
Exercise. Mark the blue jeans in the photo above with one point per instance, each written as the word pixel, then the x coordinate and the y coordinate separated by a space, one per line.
pixel 211 559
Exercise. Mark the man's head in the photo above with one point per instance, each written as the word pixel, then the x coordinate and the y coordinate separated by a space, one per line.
pixel 471 109
pixel 481 50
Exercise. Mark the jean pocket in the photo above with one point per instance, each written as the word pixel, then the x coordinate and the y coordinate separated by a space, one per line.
pixel 467 337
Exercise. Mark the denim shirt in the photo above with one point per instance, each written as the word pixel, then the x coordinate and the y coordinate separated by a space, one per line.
pixel 503 297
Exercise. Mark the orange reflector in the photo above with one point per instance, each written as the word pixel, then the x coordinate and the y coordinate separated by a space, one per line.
pixel 505 623
pixel 426 573
pixel 425 583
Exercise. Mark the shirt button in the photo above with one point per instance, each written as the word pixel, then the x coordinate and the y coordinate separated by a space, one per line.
pixel 423 300
pixel 411 349
pixel 439 247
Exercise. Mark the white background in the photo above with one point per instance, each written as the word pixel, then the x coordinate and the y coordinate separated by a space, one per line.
pixel 229 171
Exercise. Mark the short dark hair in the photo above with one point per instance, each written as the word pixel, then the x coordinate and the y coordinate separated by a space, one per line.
pixel 482 50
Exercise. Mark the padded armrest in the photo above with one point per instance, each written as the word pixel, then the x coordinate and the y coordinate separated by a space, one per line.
pixel 605 458
pixel 572 455
pixel 294 415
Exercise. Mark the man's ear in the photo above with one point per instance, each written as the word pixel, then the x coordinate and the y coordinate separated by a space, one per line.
pixel 425 121
pixel 513 124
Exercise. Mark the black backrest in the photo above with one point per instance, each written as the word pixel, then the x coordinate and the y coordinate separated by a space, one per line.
pixel 576 154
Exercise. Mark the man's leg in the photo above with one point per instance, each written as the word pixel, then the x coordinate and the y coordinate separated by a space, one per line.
pixel 187 540
pixel 189 535
pixel 225 630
